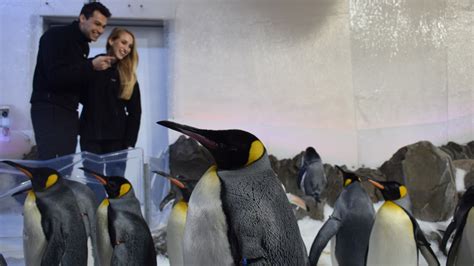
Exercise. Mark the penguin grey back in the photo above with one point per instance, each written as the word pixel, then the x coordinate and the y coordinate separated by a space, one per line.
pixel 351 222
pixel 129 233
pixel 62 225
pixel 88 204
pixel 262 226
pixel 311 178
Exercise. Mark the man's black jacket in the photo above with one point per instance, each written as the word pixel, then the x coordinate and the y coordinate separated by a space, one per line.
pixel 62 67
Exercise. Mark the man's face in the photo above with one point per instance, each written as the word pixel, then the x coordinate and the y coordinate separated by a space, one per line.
pixel 93 27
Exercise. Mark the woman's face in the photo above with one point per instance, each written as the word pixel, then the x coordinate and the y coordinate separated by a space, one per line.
pixel 121 46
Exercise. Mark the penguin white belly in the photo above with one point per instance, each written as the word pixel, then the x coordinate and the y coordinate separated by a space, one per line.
pixel 104 247
pixel 205 234
pixel 333 251
pixel 465 255
pixel 34 240
pixel 175 233
pixel 391 240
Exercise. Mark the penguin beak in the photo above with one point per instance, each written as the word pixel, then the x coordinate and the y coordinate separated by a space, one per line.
pixel 297 201
pixel 376 184
pixel 171 195
pixel 27 189
pixel 26 170
pixel 172 179
pixel 102 179
pixel 195 133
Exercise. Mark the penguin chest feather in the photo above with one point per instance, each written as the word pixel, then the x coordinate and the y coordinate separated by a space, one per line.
pixel 104 247
pixel 34 240
pixel 205 238
pixel 465 255
pixel 391 240
pixel 175 233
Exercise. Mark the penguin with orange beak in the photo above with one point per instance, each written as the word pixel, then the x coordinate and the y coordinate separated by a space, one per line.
pixel 238 212
pixel 124 237
pixel 396 237
pixel 461 251
pixel 54 232
pixel 180 193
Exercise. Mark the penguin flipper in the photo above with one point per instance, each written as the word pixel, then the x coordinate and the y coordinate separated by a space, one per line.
pixel 451 260
pixel 120 256
pixel 422 243
pixel 252 250
pixel 329 229
pixel 54 251
pixel 446 236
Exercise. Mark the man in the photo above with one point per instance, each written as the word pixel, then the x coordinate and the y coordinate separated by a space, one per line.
pixel 62 70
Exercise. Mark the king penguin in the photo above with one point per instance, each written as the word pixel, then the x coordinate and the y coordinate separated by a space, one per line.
pixel 238 212
pixel 177 219
pixel 311 177
pixel 351 222
pixel 54 232
pixel 124 237
pixel 88 204
pixel 396 236
pixel 462 247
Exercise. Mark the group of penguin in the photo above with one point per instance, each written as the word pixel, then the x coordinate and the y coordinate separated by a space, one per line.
pixel 64 224
pixel 392 236
pixel 237 213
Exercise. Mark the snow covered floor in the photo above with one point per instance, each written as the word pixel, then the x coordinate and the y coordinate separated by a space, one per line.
pixel 12 226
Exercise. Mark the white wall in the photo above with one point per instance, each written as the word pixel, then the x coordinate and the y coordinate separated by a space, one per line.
pixel 355 79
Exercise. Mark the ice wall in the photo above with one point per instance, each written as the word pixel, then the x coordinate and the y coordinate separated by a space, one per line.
pixel 355 79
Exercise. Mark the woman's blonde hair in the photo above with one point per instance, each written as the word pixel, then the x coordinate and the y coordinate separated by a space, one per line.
pixel 127 66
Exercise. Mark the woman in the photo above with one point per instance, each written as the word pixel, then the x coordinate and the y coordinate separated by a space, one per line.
pixel 110 117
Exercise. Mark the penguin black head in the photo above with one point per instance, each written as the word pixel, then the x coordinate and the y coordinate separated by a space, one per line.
pixel 232 149
pixel 184 185
pixel 115 186
pixel 391 190
pixel 42 178
pixel 311 155
pixel 348 177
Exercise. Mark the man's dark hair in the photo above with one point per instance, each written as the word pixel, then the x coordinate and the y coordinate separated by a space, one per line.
pixel 88 10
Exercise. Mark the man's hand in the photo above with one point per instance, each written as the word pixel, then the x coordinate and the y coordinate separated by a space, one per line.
pixel 103 62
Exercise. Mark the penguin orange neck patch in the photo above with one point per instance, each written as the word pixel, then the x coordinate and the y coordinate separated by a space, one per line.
pixel 256 151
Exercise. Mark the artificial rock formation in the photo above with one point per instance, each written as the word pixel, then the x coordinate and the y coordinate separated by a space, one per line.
pixel 426 170
pixel 429 176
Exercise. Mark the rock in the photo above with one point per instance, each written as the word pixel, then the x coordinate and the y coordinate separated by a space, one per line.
pixel 334 186
pixel 457 151
pixel 465 164
pixel 469 179
pixel 189 159
pixel 428 174
pixel 470 147
pixel 374 194
pixel 287 171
